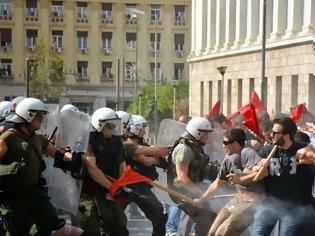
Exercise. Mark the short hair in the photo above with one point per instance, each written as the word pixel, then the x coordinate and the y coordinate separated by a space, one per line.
pixel 219 118
pixel 302 137
pixel 266 125
pixel 236 134
pixel 289 126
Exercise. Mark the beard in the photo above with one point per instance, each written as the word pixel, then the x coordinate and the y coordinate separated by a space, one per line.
pixel 280 141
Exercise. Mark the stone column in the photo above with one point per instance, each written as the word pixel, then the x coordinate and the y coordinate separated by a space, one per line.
pixel 295 18
pixel 200 18
pixel 252 21
pixel 230 23
pixel 269 10
pixel 309 16
pixel 94 38
pixel 279 18
pixel 220 24
pixel 70 39
pixel 240 31
pixel 18 43
pixel 211 24
pixel 193 25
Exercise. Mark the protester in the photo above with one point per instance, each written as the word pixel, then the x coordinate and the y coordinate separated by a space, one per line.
pixel 288 184
pixel 21 152
pixel 237 215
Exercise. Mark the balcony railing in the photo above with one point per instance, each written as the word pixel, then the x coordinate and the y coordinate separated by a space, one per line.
pixel 6 15
pixel 82 78
pixel 31 14
pixel 6 47
pixel 57 17
pixel 179 20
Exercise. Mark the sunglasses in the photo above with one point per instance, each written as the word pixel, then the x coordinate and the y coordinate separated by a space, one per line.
pixel 226 142
pixel 110 126
pixel 276 132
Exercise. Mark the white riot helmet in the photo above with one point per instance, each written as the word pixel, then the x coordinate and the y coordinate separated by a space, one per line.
pixel 136 126
pixel 103 116
pixel 27 109
pixel 4 109
pixel 142 120
pixel 69 107
pixel 126 119
pixel 15 101
pixel 197 126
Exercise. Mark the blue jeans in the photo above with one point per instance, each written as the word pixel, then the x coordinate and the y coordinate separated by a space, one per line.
pixel 173 219
pixel 269 212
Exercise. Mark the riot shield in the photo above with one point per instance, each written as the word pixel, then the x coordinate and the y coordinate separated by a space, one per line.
pixel 73 131
pixel 51 120
pixel 169 132
pixel 214 146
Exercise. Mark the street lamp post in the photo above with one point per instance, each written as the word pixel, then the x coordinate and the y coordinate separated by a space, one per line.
pixel 140 94
pixel 263 53
pixel 134 13
pixel 222 70
pixel 155 78
pixel 175 84
pixel 28 74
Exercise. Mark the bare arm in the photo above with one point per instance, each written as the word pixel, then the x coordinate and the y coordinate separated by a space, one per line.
pixel 145 160
pixel 214 186
pixel 3 148
pixel 152 151
pixel 122 168
pixel 185 181
pixel 95 173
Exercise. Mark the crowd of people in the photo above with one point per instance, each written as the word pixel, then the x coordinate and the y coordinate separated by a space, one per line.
pixel 272 177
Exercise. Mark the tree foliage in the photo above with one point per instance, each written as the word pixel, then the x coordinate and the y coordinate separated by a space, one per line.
pixel 164 101
pixel 45 70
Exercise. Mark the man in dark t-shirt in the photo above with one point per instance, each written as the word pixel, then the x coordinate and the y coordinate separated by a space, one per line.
pixel 288 184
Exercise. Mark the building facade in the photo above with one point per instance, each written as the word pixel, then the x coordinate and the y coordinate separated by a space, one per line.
pixel 229 33
pixel 103 44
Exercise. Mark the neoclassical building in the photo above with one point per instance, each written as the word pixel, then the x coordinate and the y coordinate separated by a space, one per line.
pixel 99 41
pixel 229 33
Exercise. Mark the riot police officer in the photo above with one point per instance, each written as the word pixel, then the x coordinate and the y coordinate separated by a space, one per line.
pixel 143 158
pixel 189 167
pixel 21 150
pixel 104 162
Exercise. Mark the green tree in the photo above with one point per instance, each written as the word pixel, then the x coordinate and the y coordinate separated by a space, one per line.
pixel 165 101
pixel 46 73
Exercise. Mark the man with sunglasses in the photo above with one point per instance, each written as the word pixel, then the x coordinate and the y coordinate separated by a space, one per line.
pixel 288 184
pixel 237 215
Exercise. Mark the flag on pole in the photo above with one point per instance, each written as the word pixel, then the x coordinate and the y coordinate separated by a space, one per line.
pixel 215 109
pixel 128 177
pixel 259 106
pixel 296 114
pixel 250 119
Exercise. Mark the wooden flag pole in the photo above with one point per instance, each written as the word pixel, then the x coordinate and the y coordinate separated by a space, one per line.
pixel 261 169
pixel 172 192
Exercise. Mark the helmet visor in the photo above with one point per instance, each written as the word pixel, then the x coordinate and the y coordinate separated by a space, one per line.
pixel 114 125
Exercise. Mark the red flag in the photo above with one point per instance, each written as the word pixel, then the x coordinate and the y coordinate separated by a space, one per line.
pixel 230 117
pixel 129 177
pixel 250 119
pixel 259 106
pixel 215 109
pixel 296 114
